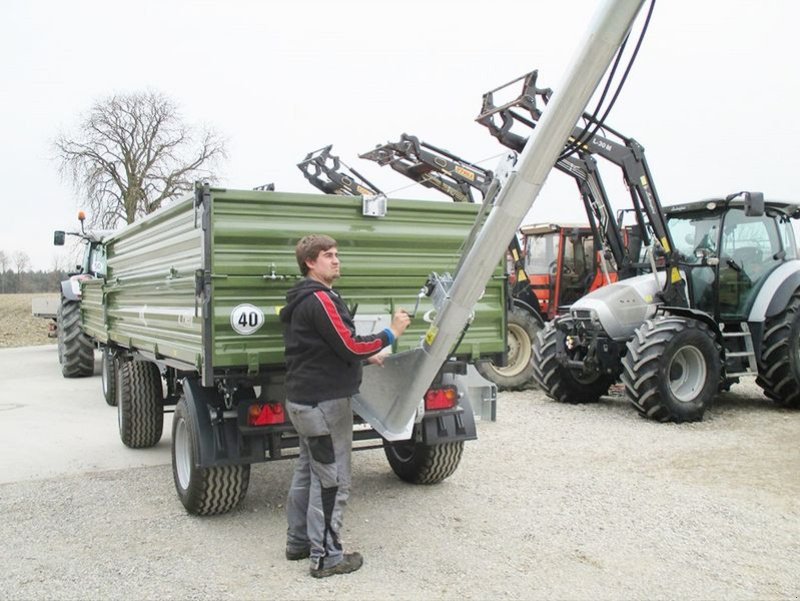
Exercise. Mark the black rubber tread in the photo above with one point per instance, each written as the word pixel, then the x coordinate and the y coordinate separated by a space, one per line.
pixel 423 464
pixel 211 491
pixel 558 381
pixel 645 365
pixel 75 349
pixel 778 368
pixel 140 403
pixel 109 377
pixel 522 377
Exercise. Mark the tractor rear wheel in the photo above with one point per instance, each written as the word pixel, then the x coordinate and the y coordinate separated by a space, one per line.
pixel 779 366
pixel 672 369
pixel 517 374
pixel 75 349
pixel 559 382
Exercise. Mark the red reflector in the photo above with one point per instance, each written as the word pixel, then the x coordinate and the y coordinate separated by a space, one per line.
pixel 266 415
pixel 441 398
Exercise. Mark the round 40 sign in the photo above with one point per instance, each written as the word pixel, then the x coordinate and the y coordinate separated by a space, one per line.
pixel 246 319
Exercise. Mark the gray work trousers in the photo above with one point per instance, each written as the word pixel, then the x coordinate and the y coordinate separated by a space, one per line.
pixel 321 482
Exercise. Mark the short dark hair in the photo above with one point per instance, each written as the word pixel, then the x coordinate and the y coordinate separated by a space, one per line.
pixel 309 247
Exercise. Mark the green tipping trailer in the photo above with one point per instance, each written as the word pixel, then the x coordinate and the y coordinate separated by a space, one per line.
pixel 187 316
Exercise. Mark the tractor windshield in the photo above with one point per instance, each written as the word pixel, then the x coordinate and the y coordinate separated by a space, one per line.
pixel 696 238
pixel 542 253
pixel 747 249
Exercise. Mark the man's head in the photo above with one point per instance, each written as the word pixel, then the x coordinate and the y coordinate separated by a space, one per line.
pixel 318 258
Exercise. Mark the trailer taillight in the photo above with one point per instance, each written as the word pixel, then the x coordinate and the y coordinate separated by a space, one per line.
pixel 267 414
pixel 441 398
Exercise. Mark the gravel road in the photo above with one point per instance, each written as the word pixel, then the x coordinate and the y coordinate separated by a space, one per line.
pixel 552 502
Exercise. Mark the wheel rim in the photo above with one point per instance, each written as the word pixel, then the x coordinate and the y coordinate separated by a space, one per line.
pixel 520 352
pixel 404 452
pixel 183 455
pixel 119 408
pixel 687 374
pixel 104 374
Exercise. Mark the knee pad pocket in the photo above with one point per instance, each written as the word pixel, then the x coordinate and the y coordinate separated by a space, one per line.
pixel 321 448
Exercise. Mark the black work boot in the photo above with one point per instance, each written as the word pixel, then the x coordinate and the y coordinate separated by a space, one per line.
pixel 350 563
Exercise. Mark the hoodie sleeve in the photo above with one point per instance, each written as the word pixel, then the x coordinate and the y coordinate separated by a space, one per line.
pixel 332 327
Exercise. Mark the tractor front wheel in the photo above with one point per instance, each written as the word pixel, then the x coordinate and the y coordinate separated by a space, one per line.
pixel 560 382
pixel 672 369
pixel 517 374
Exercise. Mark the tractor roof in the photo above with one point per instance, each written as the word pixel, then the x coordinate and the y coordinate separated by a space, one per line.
pixel 790 209
pixel 545 228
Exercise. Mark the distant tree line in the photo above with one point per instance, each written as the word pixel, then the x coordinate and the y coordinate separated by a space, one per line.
pixel 15 276
pixel 12 282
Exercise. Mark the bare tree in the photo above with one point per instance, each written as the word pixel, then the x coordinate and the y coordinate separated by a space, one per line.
pixel 3 267
pixel 21 262
pixel 131 153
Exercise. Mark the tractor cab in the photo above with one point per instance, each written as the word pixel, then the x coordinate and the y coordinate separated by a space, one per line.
pixel 728 250
pixel 563 264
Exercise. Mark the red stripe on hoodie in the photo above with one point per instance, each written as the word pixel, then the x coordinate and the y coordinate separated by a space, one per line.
pixel 353 345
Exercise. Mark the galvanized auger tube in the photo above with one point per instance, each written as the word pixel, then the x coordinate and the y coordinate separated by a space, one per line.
pixel 390 396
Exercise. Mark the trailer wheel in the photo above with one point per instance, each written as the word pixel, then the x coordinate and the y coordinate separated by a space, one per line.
pixel 75 349
pixel 419 463
pixel 672 369
pixel 203 491
pixel 779 367
pixel 109 377
pixel 140 403
pixel 518 373
pixel 559 382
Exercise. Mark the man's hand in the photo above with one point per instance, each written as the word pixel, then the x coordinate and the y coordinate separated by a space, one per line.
pixel 376 359
pixel 400 322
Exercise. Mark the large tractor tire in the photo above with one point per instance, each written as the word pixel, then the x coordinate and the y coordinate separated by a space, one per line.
pixel 140 403
pixel 75 349
pixel 559 382
pixel 203 491
pixel 419 463
pixel 779 367
pixel 672 369
pixel 518 372
pixel 109 377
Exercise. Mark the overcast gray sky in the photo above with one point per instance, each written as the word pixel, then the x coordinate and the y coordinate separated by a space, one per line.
pixel 713 96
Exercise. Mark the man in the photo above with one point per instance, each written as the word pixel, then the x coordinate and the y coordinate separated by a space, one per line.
pixel 323 361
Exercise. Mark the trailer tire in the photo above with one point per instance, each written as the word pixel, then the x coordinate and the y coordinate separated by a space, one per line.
pixel 109 377
pixel 203 491
pixel 140 403
pixel 558 381
pixel 75 349
pixel 672 369
pixel 779 365
pixel 420 463
pixel 518 374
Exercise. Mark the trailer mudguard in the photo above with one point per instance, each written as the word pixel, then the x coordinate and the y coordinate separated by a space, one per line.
pixel 453 426
pixel 218 441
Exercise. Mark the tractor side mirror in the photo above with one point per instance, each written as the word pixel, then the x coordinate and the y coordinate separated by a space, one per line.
pixel 754 204
pixel 58 238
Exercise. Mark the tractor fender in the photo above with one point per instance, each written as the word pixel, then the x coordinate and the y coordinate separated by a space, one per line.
pixel 67 291
pixel 698 315
pixel 776 291
pixel 520 304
